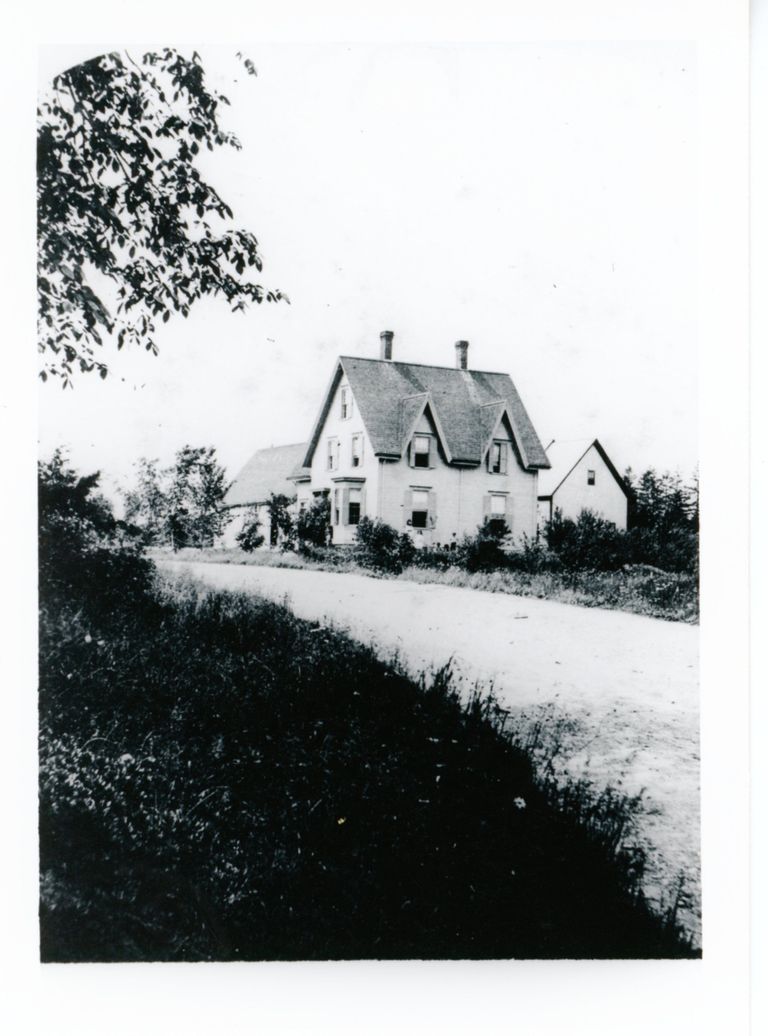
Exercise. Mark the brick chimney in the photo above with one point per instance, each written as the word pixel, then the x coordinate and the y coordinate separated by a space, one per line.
pixel 462 348
pixel 386 345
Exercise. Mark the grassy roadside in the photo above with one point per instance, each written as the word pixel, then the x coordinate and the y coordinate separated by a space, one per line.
pixel 220 780
pixel 640 589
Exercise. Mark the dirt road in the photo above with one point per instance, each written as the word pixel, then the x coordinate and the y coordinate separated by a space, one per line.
pixel 626 686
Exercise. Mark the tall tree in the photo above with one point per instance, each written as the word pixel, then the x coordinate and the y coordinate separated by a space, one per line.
pixel 146 504
pixel 181 505
pixel 128 230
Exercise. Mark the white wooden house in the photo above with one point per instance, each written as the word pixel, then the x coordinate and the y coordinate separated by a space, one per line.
pixel 431 451
pixel 582 477
pixel 265 474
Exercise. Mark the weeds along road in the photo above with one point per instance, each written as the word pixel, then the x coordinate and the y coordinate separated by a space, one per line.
pixel 619 691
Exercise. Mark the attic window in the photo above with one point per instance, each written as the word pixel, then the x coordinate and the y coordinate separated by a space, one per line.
pixel 420 451
pixel 497 458
pixel 357 450
pixel 346 403
pixel 333 454
pixel 590 477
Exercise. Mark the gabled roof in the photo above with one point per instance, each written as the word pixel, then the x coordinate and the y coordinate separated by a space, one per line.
pixel 564 456
pixel 265 473
pixel 390 397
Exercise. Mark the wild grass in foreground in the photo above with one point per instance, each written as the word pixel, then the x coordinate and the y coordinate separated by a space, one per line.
pixel 220 780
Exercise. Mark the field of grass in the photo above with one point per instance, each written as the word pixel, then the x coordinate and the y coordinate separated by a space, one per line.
pixel 220 780
pixel 641 590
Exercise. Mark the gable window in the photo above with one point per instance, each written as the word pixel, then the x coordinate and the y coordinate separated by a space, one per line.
pixel 333 454
pixel 497 458
pixel 355 501
pixel 421 449
pixel 357 451
pixel 345 398
pixel 590 477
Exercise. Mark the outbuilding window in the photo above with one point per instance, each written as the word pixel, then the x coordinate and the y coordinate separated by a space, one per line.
pixel 590 477
pixel 421 450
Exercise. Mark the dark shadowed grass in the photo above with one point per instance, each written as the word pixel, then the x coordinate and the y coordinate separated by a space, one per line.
pixel 220 780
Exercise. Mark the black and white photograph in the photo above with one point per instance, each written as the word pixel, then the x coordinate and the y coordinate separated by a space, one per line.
pixel 370 427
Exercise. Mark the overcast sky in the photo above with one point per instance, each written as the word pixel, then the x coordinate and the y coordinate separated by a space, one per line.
pixel 537 200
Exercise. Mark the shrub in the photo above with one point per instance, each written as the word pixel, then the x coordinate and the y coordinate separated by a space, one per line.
pixel 313 524
pixel 590 543
pixel 437 558
pixel 674 550
pixel 533 556
pixel 249 538
pixel 484 552
pixel 379 546
pixel 83 549
pixel 282 528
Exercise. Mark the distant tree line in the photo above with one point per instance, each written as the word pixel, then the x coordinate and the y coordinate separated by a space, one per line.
pixel 182 505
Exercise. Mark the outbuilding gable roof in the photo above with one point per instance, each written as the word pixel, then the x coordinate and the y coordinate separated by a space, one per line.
pixel 268 471
pixel 390 395
pixel 564 456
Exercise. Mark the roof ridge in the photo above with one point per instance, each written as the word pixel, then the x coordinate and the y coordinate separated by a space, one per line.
pixel 409 363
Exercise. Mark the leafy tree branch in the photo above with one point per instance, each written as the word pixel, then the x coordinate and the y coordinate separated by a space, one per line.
pixel 129 232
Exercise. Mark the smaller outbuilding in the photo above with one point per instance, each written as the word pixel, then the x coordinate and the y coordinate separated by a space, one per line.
pixel 582 478
pixel 265 474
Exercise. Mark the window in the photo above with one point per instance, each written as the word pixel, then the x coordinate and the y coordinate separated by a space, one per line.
pixel 419 508
pixel 497 458
pixel 357 451
pixel 336 506
pixel 333 454
pixel 346 403
pixel 420 451
pixel 355 499
pixel 497 513
pixel 590 477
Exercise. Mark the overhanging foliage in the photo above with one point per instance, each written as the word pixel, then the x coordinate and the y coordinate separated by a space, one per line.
pixel 129 232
